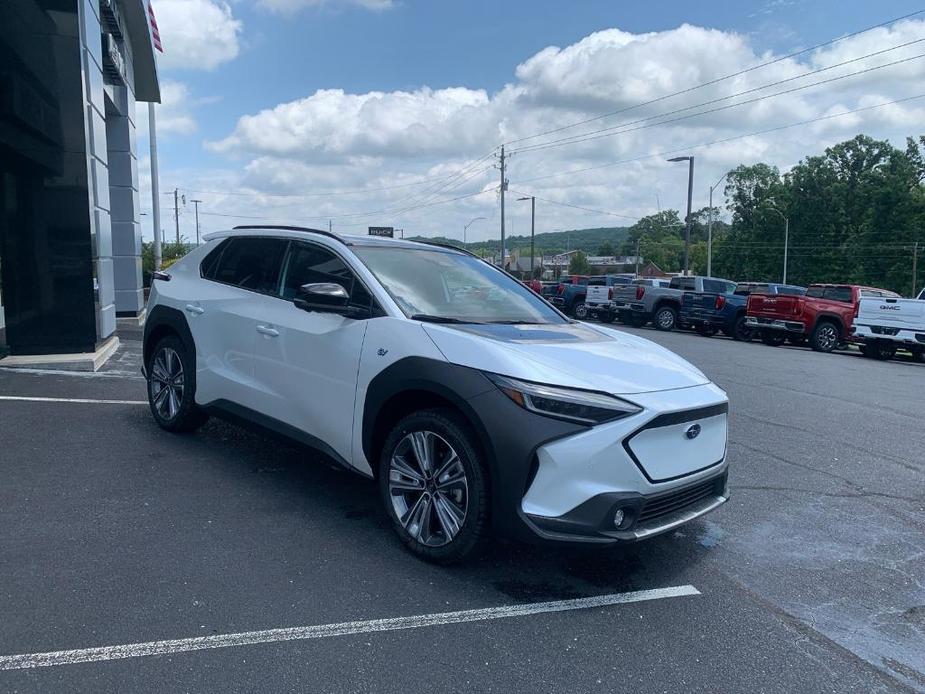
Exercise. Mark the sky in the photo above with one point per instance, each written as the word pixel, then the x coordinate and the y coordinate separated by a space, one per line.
pixel 360 113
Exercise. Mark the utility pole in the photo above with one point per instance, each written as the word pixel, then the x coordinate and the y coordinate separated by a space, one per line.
pixel 710 227
pixel 176 215
pixel 690 196
pixel 330 226
pixel 915 274
pixel 503 188
pixel 786 246
pixel 532 232
pixel 196 204
pixel 637 258
pixel 155 192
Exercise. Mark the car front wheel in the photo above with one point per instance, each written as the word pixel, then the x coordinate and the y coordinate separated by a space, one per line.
pixel 772 338
pixel 172 385
pixel 666 318
pixel 434 487
pixel 826 337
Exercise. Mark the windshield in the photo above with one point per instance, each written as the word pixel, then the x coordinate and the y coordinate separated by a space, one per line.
pixel 445 286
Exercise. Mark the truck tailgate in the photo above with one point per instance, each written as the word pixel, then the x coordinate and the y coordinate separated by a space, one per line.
pixel 901 313
pixel 597 294
pixel 774 306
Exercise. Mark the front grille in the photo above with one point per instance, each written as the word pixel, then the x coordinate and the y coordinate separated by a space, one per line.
pixel 679 500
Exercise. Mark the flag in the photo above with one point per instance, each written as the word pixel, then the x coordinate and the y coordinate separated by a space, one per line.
pixel 155 34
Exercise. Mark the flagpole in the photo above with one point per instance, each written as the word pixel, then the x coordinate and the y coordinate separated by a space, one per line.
pixel 155 192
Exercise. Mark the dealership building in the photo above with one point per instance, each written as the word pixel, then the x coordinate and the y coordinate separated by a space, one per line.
pixel 71 72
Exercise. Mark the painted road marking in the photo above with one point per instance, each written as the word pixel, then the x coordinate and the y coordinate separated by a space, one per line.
pixel 30 398
pixel 111 373
pixel 200 643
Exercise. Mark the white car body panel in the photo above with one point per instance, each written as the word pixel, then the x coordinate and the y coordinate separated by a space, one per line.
pixel 573 355
pixel 904 318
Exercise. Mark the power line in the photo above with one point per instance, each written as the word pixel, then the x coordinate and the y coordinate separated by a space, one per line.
pixel 577 207
pixel 724 140
pixel 716 80
pixel 622 129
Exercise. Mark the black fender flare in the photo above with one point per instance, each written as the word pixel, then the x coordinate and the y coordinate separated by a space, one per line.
pixel 161 317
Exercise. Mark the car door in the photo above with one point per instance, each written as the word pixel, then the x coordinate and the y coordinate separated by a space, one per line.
pixel 306 362
pixel 224 312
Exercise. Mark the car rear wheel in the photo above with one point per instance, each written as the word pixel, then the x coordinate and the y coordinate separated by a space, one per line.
pixel 433 484
pixel 772 338
pixel 826 337
pixel 706 330
pixel 606 316
pixel 636 320
pixel 666 318
pixel 171 374
pixel 581 311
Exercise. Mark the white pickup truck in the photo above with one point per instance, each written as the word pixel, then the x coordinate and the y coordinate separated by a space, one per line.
pixel 883 325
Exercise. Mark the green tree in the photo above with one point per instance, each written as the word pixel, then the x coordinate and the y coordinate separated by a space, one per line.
pixel 606 248
pixel 578 264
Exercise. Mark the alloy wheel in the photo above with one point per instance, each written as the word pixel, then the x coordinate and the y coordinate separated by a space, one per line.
pixel 166 382
pixel 428 488
pixel 665 319
pixel 827 338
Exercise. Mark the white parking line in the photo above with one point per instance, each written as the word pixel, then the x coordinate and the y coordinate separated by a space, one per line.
pixel 31 398
pixel 200 643
pixel 112 373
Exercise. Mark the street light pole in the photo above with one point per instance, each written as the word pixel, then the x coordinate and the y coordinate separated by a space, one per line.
pixel 466 227
pixel 196 205
pixel 710 227
pixel 690 196
pixel 786 236
pixel 532 199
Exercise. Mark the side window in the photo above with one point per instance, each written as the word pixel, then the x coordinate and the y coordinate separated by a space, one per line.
pixel 838 294
pixel 790 291
pixel 251 263
pixel 209 266
pixel 683 283
pixel 717 287
pixel 308 263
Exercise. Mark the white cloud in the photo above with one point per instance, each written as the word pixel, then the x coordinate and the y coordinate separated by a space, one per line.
pixel 336 142
pixel 174 114
pixel 290 6
pixel 196 34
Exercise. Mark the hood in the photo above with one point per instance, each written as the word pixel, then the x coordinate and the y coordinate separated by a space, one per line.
pixel 574 355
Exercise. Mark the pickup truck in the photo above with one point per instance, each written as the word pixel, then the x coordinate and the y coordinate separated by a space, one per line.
pixel 599 297
pixel 823 316
pixel 709 312
pixel 662 305
pixel 627 294
pixel 570 293
pixel 883 325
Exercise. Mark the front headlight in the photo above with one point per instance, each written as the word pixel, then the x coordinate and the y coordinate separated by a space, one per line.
pixel 582 406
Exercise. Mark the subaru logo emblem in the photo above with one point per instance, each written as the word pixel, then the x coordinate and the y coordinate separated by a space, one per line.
pixel 693 431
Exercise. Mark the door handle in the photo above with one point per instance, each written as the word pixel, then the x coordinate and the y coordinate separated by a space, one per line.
pixel 268 331
pixel 194 309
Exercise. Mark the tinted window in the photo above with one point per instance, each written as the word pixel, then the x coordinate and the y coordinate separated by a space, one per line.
pixel 596 282
pixel 209 265
pixel 308 263
pixel 815 292
pixel 251 263
pixel 745 288
pixel 718 287
pixel 682 283
pixel 838 294
pixel 791 291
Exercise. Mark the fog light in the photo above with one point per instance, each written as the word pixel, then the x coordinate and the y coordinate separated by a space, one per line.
pixel 618 518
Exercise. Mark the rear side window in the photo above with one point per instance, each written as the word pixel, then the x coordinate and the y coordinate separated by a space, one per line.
pixel 251 263
pixel 597 282
pixel 209 265
pixel 718 287
pixel 838 294
pixel 682 283
pixel 791 291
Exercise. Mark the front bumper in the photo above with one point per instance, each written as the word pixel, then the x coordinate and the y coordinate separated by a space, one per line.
pixel 789 326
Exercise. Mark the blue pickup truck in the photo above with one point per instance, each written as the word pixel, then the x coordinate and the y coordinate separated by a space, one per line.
pixel 711 312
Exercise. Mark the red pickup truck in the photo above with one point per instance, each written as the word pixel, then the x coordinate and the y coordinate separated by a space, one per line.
pixel 823 316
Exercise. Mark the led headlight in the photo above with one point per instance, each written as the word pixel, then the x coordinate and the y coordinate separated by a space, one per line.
pixel 582 406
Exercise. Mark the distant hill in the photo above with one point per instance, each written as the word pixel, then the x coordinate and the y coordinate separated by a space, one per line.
pixel 587 240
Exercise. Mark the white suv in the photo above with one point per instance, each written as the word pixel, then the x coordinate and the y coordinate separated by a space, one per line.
pixel 476 405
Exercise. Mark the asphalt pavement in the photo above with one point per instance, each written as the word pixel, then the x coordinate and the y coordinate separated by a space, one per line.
pixel 114 533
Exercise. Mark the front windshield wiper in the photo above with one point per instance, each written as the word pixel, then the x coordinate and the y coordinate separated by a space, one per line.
pixel 429 318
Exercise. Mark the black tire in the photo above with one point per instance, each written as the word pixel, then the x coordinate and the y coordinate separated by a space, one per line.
pixel 606 316
pixel 878 351
pixel 826 336
pixel 581 312
pixel 637 320
pixel 772 338
pixel 665 318
pixel 449 430
pixel 918 355
pixel 798 341
pixel 171 381
pixel 740 331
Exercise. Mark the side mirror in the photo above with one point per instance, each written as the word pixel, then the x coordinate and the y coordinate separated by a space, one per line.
pixel 323 297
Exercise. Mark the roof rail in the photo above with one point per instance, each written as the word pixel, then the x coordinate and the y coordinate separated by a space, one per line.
pixel 279 227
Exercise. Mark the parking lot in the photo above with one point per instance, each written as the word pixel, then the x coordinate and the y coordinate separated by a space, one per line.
pixel 165 563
